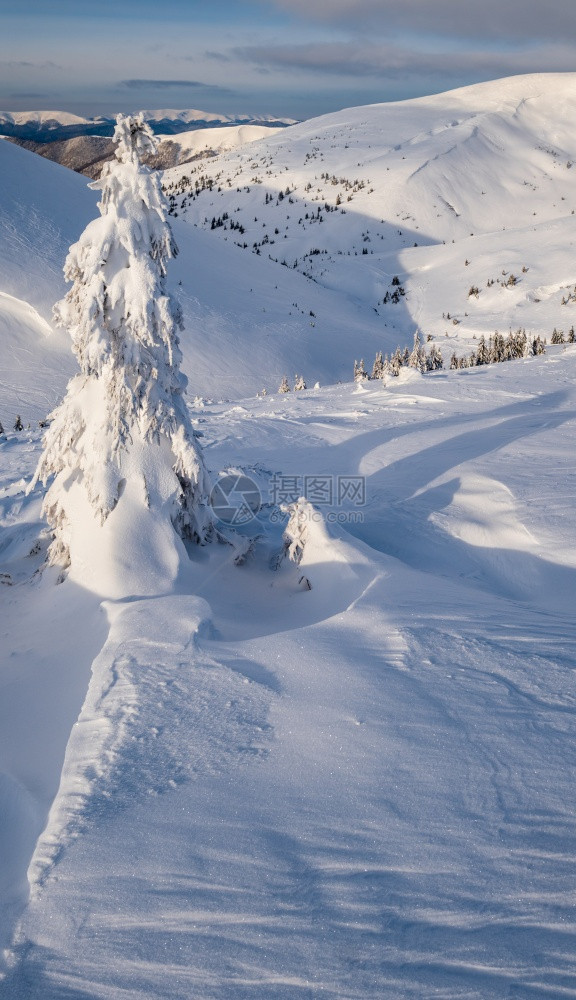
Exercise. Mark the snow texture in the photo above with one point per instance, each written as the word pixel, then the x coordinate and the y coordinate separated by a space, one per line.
pixel 343 769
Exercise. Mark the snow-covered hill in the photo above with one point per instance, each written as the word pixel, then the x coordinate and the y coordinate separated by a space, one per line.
pixel 339 303
pixel 41 120
pixel 210 142
pixel 284 322
pixel 356 197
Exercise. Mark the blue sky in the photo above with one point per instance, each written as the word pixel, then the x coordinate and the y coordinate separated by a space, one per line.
pixel 294 58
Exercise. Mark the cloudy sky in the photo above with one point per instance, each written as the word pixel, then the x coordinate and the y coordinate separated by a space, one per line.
pixel 294 58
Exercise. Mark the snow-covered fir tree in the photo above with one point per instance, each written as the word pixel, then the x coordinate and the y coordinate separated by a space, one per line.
pixel 378 366
pixel 120 449
pixel 284 387
pixel 417 358
pixel 360 373
pixel 435 361
pixel 299 383
pixel 396 363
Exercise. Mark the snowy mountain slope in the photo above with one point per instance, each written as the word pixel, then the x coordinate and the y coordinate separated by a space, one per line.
pixel 41 120
pixel 344 197
pixel 29 345
pixel 285 323
pixel 208 142
pixel 42 211
pixel 317 327
pixel 184 120
pixel 363 789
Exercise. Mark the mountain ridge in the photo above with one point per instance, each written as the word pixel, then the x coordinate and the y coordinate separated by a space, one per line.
pixel 51 126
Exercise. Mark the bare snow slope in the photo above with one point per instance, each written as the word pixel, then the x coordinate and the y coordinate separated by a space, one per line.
pixel 205 142
pixel 43 209
pixel 229 299
pixel 359 790
pixel 487 170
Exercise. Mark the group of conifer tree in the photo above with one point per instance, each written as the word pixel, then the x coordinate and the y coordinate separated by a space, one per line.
pixel 385 367
pixel 518 344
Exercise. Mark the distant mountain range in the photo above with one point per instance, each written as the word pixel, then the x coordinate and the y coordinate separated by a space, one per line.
pixel 55 126
pixel 87 154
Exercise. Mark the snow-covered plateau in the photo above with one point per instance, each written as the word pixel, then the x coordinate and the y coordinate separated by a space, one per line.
pixel 349 774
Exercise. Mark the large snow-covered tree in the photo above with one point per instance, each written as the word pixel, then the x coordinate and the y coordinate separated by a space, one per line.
pixel 127 472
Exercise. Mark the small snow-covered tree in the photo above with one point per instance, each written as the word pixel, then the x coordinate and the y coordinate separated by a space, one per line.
pixel 378 366
pixel 417 358
pixel 396 363
pixel 360 373
pixel 284 387
pixel 299 383
pixel 435 361
pixel 122 440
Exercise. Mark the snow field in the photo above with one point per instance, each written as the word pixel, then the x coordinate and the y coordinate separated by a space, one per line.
pixel 350 777
pixel 359 789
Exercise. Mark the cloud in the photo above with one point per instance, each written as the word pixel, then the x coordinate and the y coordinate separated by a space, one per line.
pixel 172 85
pixel 219 56
pixel 25 64
pixel 512 20
pixel 388 61
pixel 29 95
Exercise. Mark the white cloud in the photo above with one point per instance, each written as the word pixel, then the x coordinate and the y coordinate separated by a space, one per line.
pixel 389 61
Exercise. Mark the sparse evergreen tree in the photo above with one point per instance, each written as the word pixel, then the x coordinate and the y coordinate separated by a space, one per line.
pixel 18 425
pixel 378 366
pixel 417 357
pixel 498 349
pixel 360 373
pixel 435 362
pixel 387 370
pixel 538 346
pixel 482 354
pixel 284 387
pixel 396 362
pixel 122 433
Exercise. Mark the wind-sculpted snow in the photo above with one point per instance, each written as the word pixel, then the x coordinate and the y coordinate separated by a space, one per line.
pixel 350 775
pixel 159 711
pixel 358 790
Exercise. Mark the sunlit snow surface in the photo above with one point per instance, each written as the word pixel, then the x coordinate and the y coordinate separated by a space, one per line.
pixel 363 789
pixel 246 788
